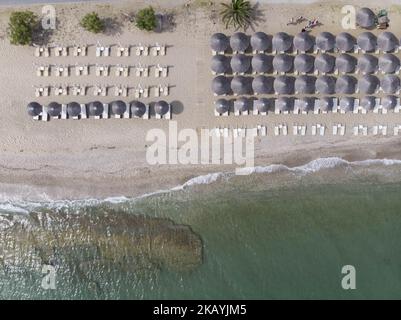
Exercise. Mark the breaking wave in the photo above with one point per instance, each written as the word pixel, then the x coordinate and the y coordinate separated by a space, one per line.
pixel 17 204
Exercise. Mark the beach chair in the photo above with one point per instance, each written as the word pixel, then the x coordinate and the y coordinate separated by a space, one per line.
pixel 295 130
pixel 297 110
pixel 127 112
pixel 322 130
pixel 356 130
pixel 44 116
pixel 84 114
pixel 166 90
pixel 377 106
pixel 262 130
pixel 165 72
pixel 163 50
pixel 398 106
pixel 276 130
pixel 145 92
pixel 364 130
pixel 146 50
pixel 375 130
pixel 314 130
pixel 335 129
pixel 105 114
pixel 342 130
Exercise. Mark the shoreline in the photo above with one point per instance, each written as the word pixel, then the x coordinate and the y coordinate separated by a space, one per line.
pixel 101 188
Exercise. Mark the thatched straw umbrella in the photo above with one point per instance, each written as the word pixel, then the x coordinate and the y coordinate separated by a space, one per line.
pixel 346 84
pixel 138 108
pixel 389 63
pixel 387 41
pixel 219 42
pixel 222 106
pixel 220 64
pixel 95 108
pixel 325 41
pixel 284 85
pixel 345 63
pixel 263 85
pixel 241 85
pixel 73 109
pixel 221 85
pixel 365 18
pixel 263 104
pixel 54 109
pixel 262 63
pixel 326 85
pixel 284 104
pixel 304 63
pixel 368 102
pixel 305 84
pixel 368 84
pixel 347 104
pixel 282 42
pixel 345 42
pixel 390 84
pixel 260 41
pixel 283 62
pixel 118 107
pixel 240 63
pixel 325 104
pixel 242 104
pixel 325 62
pixel 306 104
pixel 34 109
pixel 161 107
pixel 389 102
pixel 303 41
pixel 367 41
pixel 367 63
pixel 239 42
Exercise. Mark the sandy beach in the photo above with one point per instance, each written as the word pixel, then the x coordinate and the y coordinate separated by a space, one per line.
pixel 102 158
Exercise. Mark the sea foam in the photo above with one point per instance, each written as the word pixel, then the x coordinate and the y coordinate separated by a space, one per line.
pixel 17 203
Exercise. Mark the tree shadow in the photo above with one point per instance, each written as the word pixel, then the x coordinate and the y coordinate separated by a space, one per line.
pixel 42 36
pixel 112 26
pixel 257 17
pixel 165 22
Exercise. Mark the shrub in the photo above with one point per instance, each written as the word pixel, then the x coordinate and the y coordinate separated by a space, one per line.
pixel 21 26
pixel 92 23
pixel 146 19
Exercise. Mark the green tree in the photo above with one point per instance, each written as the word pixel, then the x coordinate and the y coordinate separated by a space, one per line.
pixel 146 19
pixel 238 13
pixel 92 23
pixel 21 27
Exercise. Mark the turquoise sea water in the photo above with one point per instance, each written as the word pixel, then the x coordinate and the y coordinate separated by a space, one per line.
pixel 273 235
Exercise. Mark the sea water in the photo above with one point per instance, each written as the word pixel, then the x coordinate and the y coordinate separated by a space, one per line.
pixel 278 233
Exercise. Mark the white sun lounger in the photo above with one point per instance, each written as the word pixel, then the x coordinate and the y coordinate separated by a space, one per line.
pixel 64 111
pixel 44 116
pixel 84 115
pixel 105 114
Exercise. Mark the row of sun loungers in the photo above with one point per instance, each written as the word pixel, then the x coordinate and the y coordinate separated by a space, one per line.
pixel 301 130
pixel 356 108
pixel 102 90
pixel 100 70
pixel 101 50
pixel 106 114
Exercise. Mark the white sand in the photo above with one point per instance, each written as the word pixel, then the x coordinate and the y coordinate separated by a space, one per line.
pixel 70 159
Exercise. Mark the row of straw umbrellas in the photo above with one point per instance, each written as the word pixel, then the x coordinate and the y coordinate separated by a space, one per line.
pixel 305 84
pixel 304 63
pixel 303 41
pixel 96 108
pixel 305 104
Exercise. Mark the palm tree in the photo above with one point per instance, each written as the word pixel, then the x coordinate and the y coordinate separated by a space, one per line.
pixel 237 13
